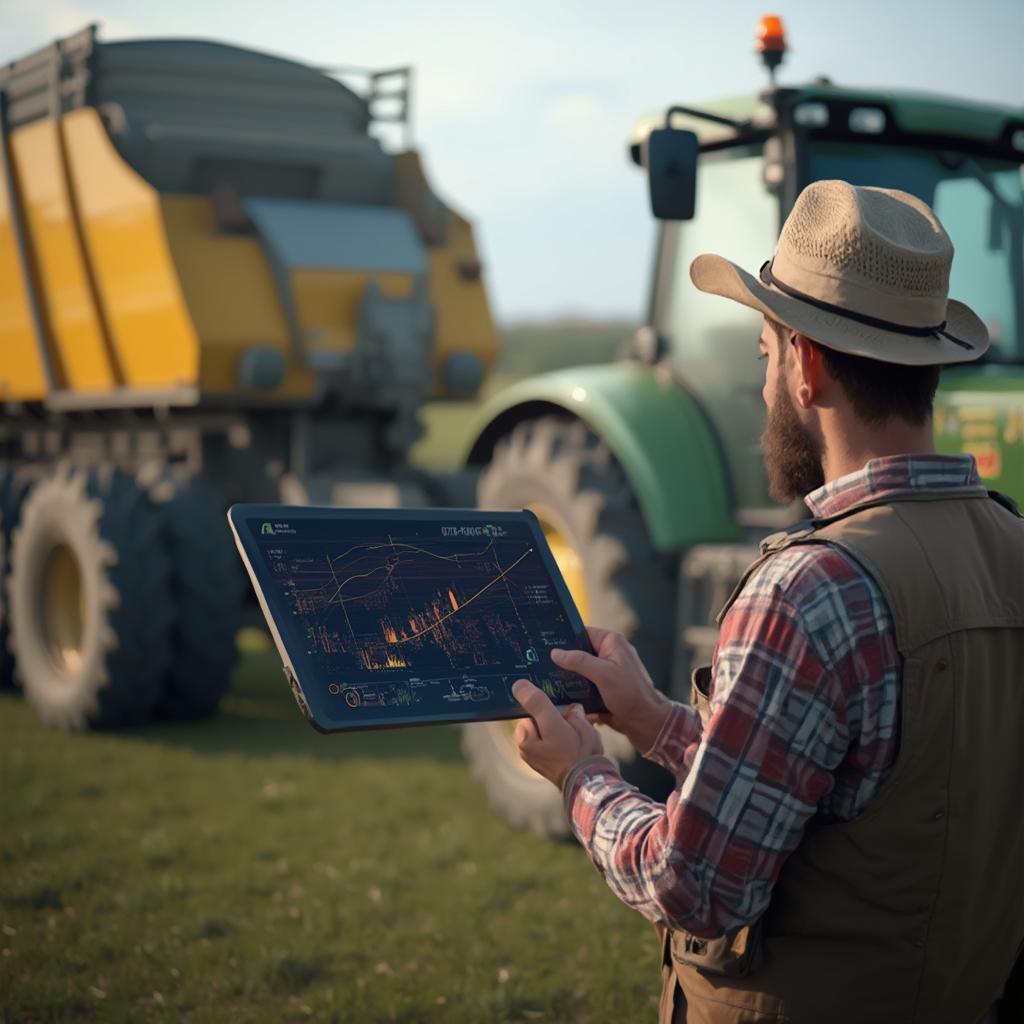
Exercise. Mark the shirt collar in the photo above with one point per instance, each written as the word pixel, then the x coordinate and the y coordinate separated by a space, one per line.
pixel 894 474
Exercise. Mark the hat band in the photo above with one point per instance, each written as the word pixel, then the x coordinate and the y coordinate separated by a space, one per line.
pixel 939 330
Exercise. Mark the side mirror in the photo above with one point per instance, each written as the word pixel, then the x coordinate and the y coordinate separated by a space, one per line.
pixel 670 156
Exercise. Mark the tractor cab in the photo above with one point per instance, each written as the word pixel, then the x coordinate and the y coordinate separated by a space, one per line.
pixel 723 179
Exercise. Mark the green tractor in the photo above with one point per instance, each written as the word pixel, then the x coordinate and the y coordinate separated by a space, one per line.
pixel 647 473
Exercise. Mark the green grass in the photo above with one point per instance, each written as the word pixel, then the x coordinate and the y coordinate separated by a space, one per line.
pixel 249 869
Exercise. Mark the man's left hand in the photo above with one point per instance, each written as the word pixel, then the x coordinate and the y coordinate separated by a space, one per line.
pixel 549 742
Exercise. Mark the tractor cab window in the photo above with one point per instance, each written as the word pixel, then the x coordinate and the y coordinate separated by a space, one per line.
pixel 714 341
pixel 980 203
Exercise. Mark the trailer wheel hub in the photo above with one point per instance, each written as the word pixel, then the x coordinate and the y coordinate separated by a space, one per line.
pixel 63 612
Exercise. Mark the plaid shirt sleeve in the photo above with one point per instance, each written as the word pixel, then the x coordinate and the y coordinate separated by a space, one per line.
pixel 803 722
pixel 678 739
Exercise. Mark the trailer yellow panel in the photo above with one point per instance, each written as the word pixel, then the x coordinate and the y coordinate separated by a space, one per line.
pixel 122 223
pixel 21 370
pixel 81 360
pixel 231 296
pixel 462 317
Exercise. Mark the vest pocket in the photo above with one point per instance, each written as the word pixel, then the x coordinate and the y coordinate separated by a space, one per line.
pixel 700 691
pixel 734 955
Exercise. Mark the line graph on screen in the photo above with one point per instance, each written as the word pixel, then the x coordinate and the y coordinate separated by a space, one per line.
pixel 438 620
pixel 398 605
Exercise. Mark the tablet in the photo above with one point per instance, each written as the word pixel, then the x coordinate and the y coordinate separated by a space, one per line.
pixel 408 617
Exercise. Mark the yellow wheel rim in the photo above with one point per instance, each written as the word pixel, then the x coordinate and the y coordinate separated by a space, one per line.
pixel 569 560
pixel 63 609
pixel 570 564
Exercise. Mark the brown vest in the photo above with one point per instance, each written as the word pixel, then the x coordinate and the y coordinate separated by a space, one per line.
pixel 913 911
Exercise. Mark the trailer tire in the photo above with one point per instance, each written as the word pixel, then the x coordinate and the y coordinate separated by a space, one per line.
pixel 569 477
pixel 89 599
pixel 206 585
pixel 13 487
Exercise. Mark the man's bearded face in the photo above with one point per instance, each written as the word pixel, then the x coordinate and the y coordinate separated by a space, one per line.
pixel 792 454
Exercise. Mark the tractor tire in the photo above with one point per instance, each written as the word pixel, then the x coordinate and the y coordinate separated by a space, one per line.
pixel 89 598
pixel 206 583
pixel 13 487
pixel 569 478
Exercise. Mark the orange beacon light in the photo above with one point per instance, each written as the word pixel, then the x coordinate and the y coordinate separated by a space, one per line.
pixel 770 41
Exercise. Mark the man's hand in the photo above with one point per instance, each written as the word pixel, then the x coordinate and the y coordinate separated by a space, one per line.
pixel 636 708
pixel 548 742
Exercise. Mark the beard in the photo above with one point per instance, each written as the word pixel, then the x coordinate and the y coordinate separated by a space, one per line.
pixel 792 454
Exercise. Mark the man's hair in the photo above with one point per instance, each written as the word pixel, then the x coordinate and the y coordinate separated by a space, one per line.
pixel 876 390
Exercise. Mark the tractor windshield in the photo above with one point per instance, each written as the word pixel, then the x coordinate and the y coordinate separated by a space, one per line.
pixel 980 202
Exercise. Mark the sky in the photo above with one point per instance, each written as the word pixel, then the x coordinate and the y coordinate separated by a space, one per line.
pixel 522 110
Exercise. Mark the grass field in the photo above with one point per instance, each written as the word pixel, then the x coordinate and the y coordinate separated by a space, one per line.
pixel 249 869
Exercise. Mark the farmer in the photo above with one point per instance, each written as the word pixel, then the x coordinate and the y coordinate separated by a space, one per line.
pixel 845 841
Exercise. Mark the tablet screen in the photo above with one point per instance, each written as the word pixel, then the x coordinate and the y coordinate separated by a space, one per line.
pixel 390 620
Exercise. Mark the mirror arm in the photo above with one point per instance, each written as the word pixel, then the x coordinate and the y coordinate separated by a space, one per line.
pixel 740 126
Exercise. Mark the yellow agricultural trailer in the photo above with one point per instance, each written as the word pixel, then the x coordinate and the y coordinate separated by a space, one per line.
pixel 216 283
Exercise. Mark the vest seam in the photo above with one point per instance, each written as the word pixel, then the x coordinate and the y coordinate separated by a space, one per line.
pixel 950 628
pixel 894 780
pixel 902 638
pixel 928 561
pixel 968 625
pixel 945 840
pixel 817 525
pixel 744 580
pixel 866 565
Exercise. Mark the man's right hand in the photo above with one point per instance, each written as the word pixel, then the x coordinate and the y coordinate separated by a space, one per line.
pixel 636 708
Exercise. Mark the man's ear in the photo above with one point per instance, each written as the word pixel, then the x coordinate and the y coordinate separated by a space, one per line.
pixel 810 376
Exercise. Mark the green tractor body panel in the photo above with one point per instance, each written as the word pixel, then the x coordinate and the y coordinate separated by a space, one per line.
pixel 980 411
pixel 653 427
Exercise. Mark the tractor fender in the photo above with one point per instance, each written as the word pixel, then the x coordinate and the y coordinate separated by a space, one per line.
pixel 653 426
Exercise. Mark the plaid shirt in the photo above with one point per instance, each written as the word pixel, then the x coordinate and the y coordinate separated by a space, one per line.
pixel 804 725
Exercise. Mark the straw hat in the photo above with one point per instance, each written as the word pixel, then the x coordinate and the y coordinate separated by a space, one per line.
pixel 861 270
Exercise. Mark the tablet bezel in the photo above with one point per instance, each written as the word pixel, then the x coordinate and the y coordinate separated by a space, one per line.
pixel 313 701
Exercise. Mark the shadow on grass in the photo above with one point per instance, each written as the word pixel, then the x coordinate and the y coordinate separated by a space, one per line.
pixel 259 718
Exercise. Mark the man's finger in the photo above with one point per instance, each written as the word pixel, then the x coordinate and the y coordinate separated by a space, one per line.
pixel 538 706
pixel 583 729
pixel 525 731
pixel 587 665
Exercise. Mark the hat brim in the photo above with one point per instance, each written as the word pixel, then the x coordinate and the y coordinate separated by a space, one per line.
pixel 719 276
